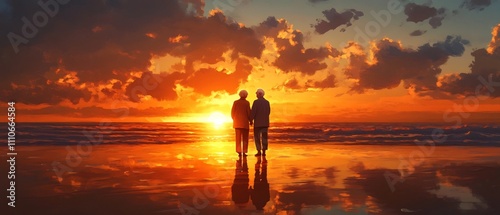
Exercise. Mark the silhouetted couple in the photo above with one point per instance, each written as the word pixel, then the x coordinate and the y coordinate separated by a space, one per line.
pixel 243 116
pixel 242 192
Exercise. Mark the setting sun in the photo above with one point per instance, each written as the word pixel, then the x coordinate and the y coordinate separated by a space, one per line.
pixel 218 119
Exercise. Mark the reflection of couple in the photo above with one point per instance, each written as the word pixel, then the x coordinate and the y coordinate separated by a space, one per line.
pixel 241 192
pixel 243 116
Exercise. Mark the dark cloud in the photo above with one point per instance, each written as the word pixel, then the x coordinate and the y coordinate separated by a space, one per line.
pixel 328 82
pixel 203 81
pixel 330 172
pixel 298 58
pixel 418 33
pixel 335 19
pixel 293 56
pixel 40 92
pixel 476 4
pixel 417 69
pixel 294 84
pixel 159 86
pixel 271 22
pixel 437 20
pixel 454 46
pixel 207 80
pixel 291 84
pixel 419 13
pixel 94 111
pixel 210 39
pixel 483 78
pixel 100 42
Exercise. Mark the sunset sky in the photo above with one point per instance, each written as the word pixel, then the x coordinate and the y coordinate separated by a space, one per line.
pixel 186 60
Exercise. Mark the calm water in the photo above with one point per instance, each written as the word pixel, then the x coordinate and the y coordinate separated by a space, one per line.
pixel 317 168
pixel 333 133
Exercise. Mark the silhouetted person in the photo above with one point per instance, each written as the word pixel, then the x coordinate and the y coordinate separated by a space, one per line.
pixel 260 192
pixel 239 191
pixel 260 115
pixel 240 112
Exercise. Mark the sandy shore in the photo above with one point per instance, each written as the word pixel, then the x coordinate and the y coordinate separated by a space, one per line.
pixel 208 178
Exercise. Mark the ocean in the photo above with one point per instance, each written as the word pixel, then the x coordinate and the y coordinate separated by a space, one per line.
pixel 310 168
pixel 290 133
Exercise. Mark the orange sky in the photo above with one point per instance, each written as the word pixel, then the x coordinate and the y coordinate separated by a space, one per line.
pixel 190 65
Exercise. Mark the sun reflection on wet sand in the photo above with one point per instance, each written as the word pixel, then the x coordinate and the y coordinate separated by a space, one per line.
pixel 300 178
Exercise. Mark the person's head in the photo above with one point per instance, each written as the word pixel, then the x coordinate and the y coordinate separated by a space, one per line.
pixel 260 93
pixel 243 94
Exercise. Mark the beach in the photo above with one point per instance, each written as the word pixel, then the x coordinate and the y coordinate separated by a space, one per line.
pixel 198 178
pixel 129 107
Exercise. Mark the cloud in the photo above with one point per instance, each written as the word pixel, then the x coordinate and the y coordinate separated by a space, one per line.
pixel 392 64
pixel 159 86
pixel 40 92
pixel 94 111
pixel 203 81
pixel 419 13
pixel 476 4
pixel 292 84
pixel 483 78
pixel 295 85
pixel 307 61
pixel 293 56
pixel 207 80
pixel 437 20
pixel 454 46
pixel 335 20
pixel 109 42
pixel 495 39
pixel 328 82
pixel 418 33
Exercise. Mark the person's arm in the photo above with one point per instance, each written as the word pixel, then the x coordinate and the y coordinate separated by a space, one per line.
pixel 249 114
pixel 269 107
pixel 232 111
pixel 254 110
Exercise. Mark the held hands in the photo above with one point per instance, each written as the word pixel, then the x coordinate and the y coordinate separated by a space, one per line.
pixel 251 122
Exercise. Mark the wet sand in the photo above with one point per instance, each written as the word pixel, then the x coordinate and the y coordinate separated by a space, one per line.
pixel 208 178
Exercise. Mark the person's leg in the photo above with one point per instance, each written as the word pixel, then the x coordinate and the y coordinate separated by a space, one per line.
pixel 245 140
pixel 256 137
pixel 238 140
pixel 264 139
